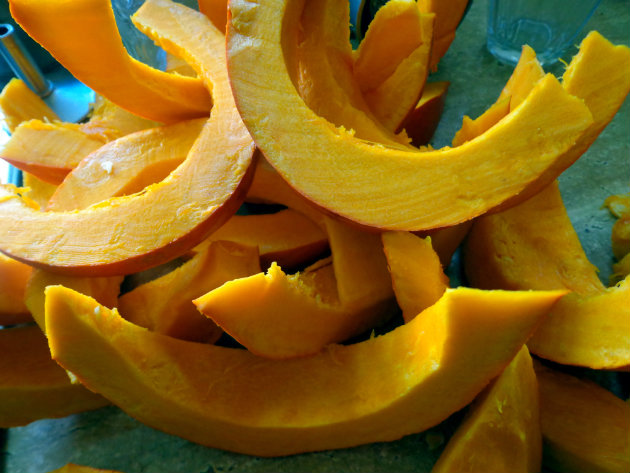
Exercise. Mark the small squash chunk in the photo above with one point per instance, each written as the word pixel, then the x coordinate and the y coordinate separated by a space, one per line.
pixel 448 14
pixel 216 11
pixel 39 191
pixel 126 165
pixel 82 35
pixel 534 246
pixel 73 468
pixel 110 120
pixel 346 395
pixel 417 274
pixel 286 237
pixel 585 428
pixel 105 290
pixel 339 172
pixel 49 151
pixel 19 104
pixel 501 431
pixel 124 235
pixel 322 72
pixel 276 315
pixel 13 278
pixel 164 305
pixel 32 386
pixel 421 123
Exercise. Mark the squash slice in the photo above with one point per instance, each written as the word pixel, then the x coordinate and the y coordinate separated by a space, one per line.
pixel 19 103
pixel 124 235
pixel 73 468
pixel 417 274
pixel 448 14
pixel 32 386
pixel 423 190
pixel 534 246
pixel 421 123
pixel 82 35
pixel 346 395
pixel 586 429
pixel 13 278
pixel 39 191
pixel 126 165
pixel 501 431
pixel 216 11
pixel 164 305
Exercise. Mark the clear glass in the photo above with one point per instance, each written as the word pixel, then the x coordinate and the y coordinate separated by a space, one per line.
pixel 548 26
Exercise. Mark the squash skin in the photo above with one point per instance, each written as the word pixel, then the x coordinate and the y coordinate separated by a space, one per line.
pixel 586 429
pixel 333 156
pixel 232 400
pixel 73 31
pixel 131 233
pixel 501 431
pixel 32 386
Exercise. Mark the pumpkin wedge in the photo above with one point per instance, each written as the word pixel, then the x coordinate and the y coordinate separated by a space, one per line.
pixel 13 278
pixel 49 151
pixel 501 431
pixel 586 429
pixel 126 165
pixel 276 315
pixel 421 123
pixel 124 235
pixel 165 305
pixel 216 11
pixel 103 289
pixel 285 237
pixel 341 173
pixel 448 14
pixel 32 386
pixel 112 121
pixel 346 395
pixel 39 191
pixel 534 246
pixel 73 31
pixel 417 275
pixel 19 103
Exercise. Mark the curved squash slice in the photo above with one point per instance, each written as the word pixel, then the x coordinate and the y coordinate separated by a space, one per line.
pixel 164 305
pixel 417 274
pixel 586 429
pixel 32 386
pixel 421 123
pixel 216 11
pixel 534 246
pixel 329 166
pixel 13 278
pixel 126 165
pixel 448 14
pixel 127 234
pixel 347 395
pixel 501 431
pixel 19 103
pixel 82 35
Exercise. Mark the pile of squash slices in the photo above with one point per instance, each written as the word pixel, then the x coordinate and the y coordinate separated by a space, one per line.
pixel 126 249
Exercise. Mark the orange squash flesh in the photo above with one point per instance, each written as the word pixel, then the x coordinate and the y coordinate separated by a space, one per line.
pixel 341 173
pixel 49 151
pixel 32 386
pixel 73 468
pixel 286 237
pixel 13 278
pixel 394 99
pixel 112 121
pixel 126 165
pixel 103 289
pixel 216 11
pixel 19 103
pixel 323 72
pixel 164 305
pixel 417 274
pixel 127 234
pixel 276 315
pixel 39 191
pixel 393 34
pixel 421 123
pixel 82 35
pixel 501 432
pixel 586 429
pixel 344 396
pixel 534 246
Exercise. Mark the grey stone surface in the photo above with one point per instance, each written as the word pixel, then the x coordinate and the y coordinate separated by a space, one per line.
pixel 108 438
